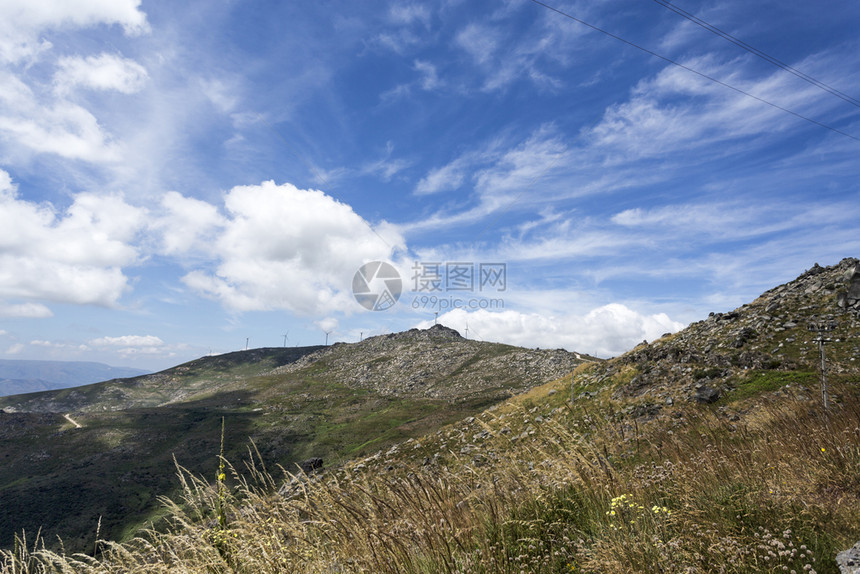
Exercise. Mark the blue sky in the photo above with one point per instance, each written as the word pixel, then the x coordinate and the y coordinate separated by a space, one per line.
pixel 178 179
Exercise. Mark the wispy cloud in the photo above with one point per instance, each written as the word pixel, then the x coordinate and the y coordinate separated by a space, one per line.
pixel 102 72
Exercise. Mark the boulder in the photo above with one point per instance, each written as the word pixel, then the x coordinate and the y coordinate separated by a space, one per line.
pixel 707 395
pixel 849 560
pixel 310 465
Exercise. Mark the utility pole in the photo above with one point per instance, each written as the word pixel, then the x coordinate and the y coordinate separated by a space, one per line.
pixel 822 327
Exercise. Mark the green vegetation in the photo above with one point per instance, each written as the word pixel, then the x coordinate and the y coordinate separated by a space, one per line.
pixel 757 382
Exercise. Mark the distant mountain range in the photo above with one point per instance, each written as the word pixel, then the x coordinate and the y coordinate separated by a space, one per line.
pixel 18 377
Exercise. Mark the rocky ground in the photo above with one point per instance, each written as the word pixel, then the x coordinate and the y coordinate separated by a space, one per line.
pixel 773 333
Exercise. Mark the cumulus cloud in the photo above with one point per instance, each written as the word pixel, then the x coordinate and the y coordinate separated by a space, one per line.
pixel 102 72
pixel 281 247
pixel 187 225
pixel 606 331
pixel 73 256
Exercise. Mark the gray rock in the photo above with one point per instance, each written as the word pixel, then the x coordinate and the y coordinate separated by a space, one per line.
pixel 707 395
pixel 849 560
pixel 310 465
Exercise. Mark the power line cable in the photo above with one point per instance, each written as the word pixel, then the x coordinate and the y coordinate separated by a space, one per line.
pixel 694 71
pixel 752 50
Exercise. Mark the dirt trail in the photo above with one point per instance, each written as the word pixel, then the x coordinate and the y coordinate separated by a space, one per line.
pixel 73 421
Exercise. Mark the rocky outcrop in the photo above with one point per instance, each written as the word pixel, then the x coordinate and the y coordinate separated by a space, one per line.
pixel 849 299
pixel 849 560
pixel 435 363
pixel 776 332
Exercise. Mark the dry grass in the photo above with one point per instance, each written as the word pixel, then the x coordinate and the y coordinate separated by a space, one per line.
pixel 561 490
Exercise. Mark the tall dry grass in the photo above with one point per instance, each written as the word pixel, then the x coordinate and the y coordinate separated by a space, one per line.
pixel 561 491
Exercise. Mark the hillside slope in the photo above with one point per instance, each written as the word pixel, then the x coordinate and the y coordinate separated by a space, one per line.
pixel 294 403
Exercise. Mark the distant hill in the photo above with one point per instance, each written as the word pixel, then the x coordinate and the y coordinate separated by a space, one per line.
pixel 18 377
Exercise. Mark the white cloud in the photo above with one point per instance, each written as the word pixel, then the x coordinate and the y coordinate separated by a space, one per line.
pixel 445 178
pixel 15 349
pixel 524 165
pixel 35 119
pixel 103 72
pixel 603 332
pixel 187 224
pixel 28 310
pixel 677 110
pixel 287 248
pixel 503 176
pixel 328 324
pixel 128 346
pixel 408 13
pixel 128 341
pixel 429 76
pixel 61 127
pixel 22 21
pixel 479 41
pixel 386 168
pixel 75 256
pixel 57 345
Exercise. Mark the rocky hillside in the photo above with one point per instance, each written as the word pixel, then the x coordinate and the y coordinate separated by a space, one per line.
pixel 437 363
pixel 766 343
